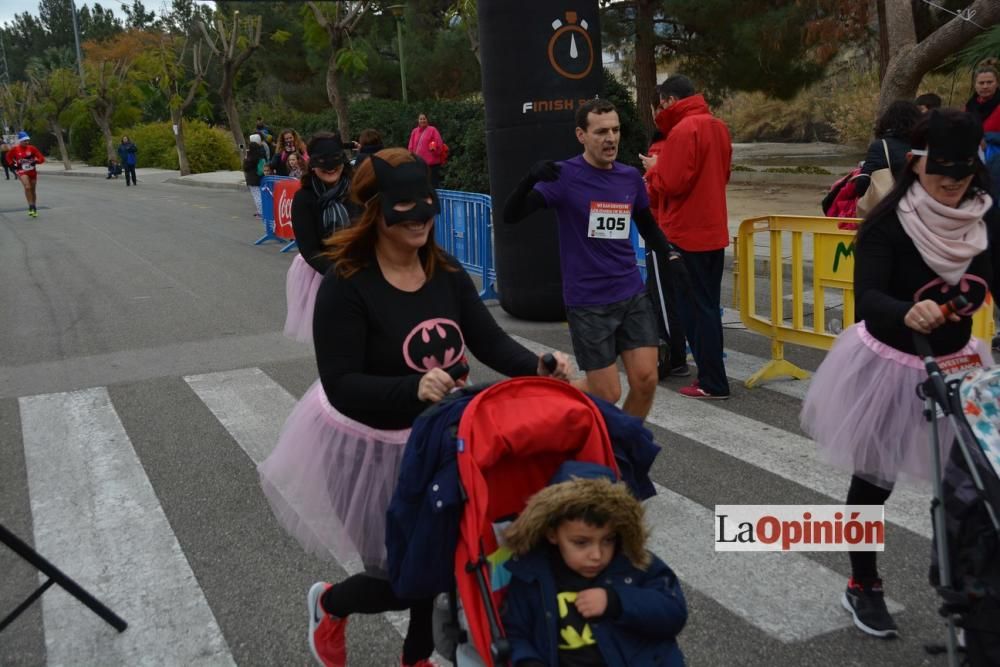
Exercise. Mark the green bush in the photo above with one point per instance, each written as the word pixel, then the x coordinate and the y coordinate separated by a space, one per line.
pixel 208 148
pixel 800 169
pixel 85 139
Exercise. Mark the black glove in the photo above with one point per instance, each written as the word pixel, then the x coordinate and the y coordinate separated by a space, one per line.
pixel 544 170
pixel 678 271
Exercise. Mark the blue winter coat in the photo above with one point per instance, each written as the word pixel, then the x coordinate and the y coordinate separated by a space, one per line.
pixel 127 153
pixel 422 520
pixel 653 612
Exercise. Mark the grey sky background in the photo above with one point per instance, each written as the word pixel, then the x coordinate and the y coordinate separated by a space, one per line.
pixel 8 8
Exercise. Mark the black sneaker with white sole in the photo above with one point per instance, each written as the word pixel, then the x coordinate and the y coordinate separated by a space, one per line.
pixel 865 601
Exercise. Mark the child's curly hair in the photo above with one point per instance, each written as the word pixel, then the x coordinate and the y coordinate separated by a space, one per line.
pixel 597 502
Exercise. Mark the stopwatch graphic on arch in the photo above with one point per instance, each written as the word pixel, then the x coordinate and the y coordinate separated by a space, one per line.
pixel 571 51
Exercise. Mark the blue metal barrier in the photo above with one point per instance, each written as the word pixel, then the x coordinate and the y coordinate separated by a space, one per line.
pixel 640 251
pixel 267 208
pixel 464 229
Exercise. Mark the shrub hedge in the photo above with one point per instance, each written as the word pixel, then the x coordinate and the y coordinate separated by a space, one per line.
pixel 208 148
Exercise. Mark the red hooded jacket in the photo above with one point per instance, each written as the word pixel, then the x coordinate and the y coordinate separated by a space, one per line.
pixel 691 174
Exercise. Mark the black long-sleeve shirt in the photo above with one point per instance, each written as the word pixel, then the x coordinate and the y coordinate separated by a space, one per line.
pixel 890 276
pixel 374 341
pixel 307 223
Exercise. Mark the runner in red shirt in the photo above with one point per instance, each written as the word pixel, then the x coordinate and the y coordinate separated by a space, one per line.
pixel 23 158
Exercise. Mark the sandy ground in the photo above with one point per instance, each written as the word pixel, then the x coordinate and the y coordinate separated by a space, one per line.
pixel 749 201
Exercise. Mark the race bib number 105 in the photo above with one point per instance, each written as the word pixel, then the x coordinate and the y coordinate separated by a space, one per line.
pixel 609 220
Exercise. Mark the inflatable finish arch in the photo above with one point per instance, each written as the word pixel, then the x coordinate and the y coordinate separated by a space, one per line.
pixel 540 60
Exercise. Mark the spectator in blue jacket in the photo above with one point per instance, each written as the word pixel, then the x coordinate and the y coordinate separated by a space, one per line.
pixel 127 158
pixel 580 559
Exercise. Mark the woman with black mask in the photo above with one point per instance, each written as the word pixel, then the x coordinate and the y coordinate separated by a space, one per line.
pixel 924 244
pixel 319 209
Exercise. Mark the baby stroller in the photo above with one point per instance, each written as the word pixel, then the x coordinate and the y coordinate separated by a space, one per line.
pixel 965 567
pixel 470 465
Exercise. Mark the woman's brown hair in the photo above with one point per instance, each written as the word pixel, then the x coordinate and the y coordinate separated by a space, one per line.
pixel 353 249
pixel 300 145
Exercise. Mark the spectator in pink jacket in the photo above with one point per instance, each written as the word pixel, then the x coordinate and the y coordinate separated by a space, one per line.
pixel 425 143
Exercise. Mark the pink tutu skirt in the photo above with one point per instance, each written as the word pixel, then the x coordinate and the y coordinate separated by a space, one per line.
pixel 863 411
pixel 301 285
pixel 330 479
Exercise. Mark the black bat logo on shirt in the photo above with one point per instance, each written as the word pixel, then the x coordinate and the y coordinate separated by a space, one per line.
pixel 436 343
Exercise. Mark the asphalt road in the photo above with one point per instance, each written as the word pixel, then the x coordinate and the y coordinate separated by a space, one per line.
pixel 135 320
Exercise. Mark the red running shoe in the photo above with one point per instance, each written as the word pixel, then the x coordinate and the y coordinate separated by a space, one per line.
pixel 694 391
pixel 326 633
pixel 419 663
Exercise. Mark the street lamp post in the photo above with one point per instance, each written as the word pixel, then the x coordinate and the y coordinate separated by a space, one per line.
pixel 397 12
pixel 76 37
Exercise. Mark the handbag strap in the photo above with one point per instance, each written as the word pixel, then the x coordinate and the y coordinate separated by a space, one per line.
pixel 888 162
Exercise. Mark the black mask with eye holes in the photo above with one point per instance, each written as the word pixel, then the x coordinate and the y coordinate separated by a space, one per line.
pixel 406 183
pixel 952 145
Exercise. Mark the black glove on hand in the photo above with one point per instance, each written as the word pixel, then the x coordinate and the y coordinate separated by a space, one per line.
pixel 544 170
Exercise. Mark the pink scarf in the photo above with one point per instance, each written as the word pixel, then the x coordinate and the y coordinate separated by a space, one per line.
pixel 947 238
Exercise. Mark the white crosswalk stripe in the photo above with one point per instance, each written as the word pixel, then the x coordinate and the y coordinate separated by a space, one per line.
pixel 96 515
pixel 88 490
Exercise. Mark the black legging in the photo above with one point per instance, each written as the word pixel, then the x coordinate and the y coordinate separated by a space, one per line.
pixel 130 173
pixel 364 594
pixel 864 566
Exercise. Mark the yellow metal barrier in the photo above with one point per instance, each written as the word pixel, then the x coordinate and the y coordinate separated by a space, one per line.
pixel 832 258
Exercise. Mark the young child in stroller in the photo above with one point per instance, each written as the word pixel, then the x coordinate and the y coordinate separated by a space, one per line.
pixel 584 589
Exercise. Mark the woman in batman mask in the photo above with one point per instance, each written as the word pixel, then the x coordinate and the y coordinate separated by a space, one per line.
pixel 923 245
pixel 392 315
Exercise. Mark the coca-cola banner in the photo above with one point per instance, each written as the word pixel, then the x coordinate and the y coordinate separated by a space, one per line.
pixel 284 192
pixel 540 60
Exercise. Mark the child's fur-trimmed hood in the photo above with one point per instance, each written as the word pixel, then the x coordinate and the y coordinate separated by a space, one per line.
pixel 572 499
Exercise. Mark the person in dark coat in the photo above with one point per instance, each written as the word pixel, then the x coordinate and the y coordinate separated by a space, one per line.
pixel 893 127
pixel 984 105
pixel 127 157
pixel 369 143
pixel 584 589
pixel 253 168
pixel 4 148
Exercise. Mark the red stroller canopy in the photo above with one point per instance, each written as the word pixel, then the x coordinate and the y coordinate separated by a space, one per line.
pixel 511 440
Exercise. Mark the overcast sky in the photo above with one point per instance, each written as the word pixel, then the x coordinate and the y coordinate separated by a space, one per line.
pixel 8 8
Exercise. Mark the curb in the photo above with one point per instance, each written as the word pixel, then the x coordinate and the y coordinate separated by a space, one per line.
pixel 772 178
pixel 78 174
pixel 206 184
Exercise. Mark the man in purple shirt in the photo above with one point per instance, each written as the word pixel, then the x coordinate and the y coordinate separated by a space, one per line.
pixel 596 199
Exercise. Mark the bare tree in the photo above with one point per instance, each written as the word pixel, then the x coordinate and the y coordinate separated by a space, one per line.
pixel 181 89
pixel 345 18
pixel 16 99
pixel 107 86
pixel 909 60
pixel 55 92
pixel 467 11
pixel 233 45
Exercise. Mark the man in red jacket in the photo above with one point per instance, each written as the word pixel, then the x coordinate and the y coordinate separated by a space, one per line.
pixel 690 176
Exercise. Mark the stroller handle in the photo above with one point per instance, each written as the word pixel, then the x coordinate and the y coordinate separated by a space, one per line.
pixel 458 370
pixel 935 387
pixel 549 362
